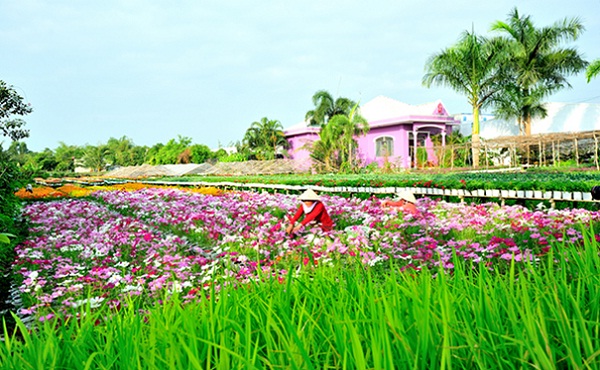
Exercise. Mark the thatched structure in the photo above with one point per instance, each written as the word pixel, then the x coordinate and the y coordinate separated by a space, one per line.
pixel 534 150
pixel 277 166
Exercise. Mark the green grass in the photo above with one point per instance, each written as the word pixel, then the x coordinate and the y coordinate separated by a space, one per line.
pixel 545 315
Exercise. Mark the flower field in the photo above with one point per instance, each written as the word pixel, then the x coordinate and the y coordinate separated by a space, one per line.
pixel 117 244
pixel 163 278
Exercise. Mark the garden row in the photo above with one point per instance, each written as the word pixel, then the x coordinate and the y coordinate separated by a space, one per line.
pixel 523 180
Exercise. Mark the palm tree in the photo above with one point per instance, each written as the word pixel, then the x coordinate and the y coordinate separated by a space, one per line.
pixel 95 157
pixel 513 103
pixel 471 67
pixel 265 137
pixel 336 145
pixel 120 151
pixel 537 63
pixel 326 108
pixel 593 70
pixel 66 156
pixel 349 127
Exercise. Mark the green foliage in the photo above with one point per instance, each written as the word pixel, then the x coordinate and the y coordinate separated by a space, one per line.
pixel 123 152
pixel 421 156
pixel 265 139
pixel 66 156
pixel 10 180
pixel 472 67
pixel 536 63
pixel 335 151
pixel 11 227
pixel 11 105
pixel 95 157
pixel 233 157
pixel 544 314
pixel 533 179
pixel 326 108
pixel 201 153
pixel 592 70
pixel 168 153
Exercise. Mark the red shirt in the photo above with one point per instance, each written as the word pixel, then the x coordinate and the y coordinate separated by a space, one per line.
pixel 318 214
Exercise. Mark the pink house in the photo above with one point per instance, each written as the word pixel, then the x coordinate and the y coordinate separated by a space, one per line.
pixel 396 128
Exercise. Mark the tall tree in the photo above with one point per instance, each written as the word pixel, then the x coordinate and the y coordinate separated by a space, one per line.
pixel 120 151
pixel 65 156
pixel 264 138
pixel 18 152
pixel 593 70
pixel 471 67
pixel 95 157
pixel 168 153
pixel 326 108
pixel 539 65
pixel 12 104
pixel 336 148
pixel 200 153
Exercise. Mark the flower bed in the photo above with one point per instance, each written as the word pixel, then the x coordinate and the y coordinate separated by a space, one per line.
pixel 148 241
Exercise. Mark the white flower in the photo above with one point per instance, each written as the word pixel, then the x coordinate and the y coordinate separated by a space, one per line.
pixel 131 288
pixel 94 302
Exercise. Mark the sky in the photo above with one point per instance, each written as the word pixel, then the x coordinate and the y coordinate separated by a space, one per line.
pixel 158 70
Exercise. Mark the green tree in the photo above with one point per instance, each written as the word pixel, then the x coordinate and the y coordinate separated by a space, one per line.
pixel 11 178
pixel 336 148
pixel 168 153
pixel 326 108
pixel 66 155
pixel 593 70
pixel 264 138
pixel 472 67
pixel 18 152
pixel 538 65
pixel 44 161
pixel 120 152
pixel 12 104
pixel 201 153
pixel 95 157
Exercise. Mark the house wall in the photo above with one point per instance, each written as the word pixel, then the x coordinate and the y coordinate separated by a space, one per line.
pixel 399 133
pixel 367 144
pixel 297 142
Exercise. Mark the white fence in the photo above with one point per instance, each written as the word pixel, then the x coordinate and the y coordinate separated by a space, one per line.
pixel 502 195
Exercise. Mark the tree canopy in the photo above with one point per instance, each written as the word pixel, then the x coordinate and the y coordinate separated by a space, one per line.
pixel 265 138
pixel 336 149
pixel 472 67
pixel 11 107
pixel 593 70
pixel 537 63
pixel 326 108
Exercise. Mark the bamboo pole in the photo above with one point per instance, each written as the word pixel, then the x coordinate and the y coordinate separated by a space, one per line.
pixel 576 153
pixel 596 152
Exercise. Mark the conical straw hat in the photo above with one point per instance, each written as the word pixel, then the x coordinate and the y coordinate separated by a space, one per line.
pixel 309 195
pixel 407 196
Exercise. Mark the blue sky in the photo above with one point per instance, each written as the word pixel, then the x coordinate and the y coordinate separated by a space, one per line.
pixel 154 70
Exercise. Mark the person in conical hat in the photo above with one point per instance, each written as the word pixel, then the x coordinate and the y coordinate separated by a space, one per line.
pixel 406 203
pixel 313 211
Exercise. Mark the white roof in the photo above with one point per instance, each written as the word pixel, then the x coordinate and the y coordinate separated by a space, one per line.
pixel 384 108
pixel 562 117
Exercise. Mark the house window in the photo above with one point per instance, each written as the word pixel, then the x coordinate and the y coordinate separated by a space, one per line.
pixel 384 146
